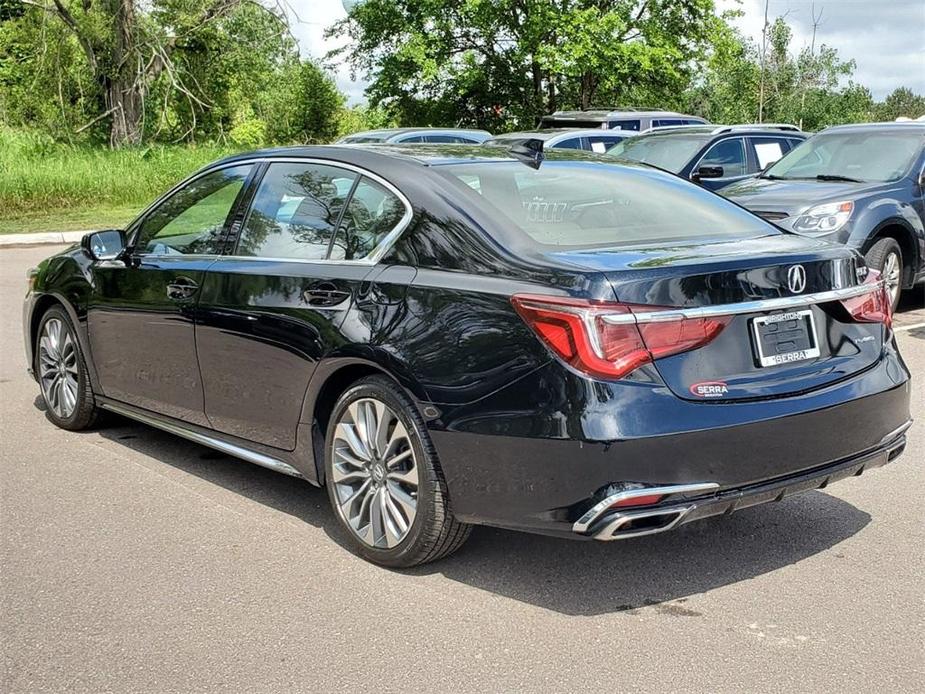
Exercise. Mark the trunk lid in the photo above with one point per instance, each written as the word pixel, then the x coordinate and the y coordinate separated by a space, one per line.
pixel 731 275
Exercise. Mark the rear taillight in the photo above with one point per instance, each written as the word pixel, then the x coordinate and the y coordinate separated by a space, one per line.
pixel 873 307
pixel 603 338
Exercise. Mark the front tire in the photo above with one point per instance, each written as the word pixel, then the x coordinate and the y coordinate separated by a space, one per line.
pixel 886 257
pixel 62 373
pixel 384 480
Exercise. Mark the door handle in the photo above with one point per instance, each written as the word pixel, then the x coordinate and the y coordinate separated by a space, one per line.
pixel 181 288
pixel 326 295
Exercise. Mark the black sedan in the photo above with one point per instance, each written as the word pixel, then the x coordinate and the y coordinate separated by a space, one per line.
pixel 453 336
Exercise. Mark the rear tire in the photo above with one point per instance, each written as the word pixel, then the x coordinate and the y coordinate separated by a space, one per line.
pixel 62 373
pixel 384 480
pixel 886 257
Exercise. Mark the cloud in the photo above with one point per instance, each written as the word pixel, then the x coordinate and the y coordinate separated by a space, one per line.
pixel 886 39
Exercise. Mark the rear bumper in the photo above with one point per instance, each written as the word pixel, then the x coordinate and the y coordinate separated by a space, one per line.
pixel 602 522
pixel 539 455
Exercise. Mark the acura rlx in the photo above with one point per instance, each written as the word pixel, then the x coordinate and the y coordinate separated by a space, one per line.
pixel 443 337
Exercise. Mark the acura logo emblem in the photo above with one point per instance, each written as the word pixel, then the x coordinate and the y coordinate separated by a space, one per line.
pixel 796 279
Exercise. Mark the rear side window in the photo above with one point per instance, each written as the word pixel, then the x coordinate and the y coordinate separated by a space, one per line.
pixel 601 143
pixel 665 122
pixel 412 139
pixel 571 143
pixel 373 212
pixel 624 124
pixel 296 211
pixel 590 204
pixel 768 150
pixel 449 139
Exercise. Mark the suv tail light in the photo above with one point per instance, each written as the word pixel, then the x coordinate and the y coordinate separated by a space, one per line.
pixel 873 307
pixel 602 338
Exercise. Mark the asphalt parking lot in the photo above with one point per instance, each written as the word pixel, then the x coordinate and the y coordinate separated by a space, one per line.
pixel 131 560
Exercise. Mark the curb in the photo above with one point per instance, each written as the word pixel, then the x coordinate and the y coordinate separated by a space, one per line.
pixel 50 237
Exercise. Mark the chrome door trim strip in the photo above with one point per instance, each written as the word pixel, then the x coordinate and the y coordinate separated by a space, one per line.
pixel 216 443
pixel 593 513
pixel 757 306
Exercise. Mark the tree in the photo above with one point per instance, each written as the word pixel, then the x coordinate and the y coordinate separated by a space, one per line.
pixel 901 103
pixel 496 63
pixel 127 46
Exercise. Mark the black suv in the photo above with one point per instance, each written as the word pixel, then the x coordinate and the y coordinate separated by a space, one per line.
pixel 860 185
pixel 714 155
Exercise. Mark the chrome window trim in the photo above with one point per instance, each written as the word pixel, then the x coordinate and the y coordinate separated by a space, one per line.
pixel 741 139
pixel 757 306
pixel 377 253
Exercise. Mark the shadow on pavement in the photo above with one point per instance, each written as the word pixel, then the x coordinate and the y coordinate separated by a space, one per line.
pixel 573 578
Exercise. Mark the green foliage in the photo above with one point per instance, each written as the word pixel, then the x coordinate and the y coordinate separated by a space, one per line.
pixel 901 103
pixel 504 63
pixel 37 173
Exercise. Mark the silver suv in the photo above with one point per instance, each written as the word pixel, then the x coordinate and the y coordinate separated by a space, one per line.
pixel 622 118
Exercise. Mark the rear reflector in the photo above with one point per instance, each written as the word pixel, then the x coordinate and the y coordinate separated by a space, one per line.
pixel 638 501
pixel 873 307
pixel 578 332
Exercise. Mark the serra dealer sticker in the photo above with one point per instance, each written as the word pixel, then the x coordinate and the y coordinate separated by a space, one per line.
pixel 709 389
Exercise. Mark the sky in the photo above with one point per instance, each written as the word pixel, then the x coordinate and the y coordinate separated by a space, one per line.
pixel 886 38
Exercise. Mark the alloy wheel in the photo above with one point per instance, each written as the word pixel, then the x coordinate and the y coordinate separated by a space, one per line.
pixel 58 368
pixel 892 272
pixel 375 473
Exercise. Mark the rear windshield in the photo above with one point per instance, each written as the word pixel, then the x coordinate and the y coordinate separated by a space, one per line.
pixel 591 204
pixel 667 152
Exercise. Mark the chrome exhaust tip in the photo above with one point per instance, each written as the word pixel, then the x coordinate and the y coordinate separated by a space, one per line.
pixel 626 524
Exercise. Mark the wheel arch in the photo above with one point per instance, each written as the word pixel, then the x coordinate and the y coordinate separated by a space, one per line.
pixel 40 306
pixel 900 232
pixel 336 374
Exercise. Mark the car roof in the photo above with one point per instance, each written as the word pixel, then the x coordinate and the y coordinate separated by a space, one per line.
pixel 426 155
pixel 616 113
pixel 549 133
pixel 707 131
pixel 391 132
pixel 891 126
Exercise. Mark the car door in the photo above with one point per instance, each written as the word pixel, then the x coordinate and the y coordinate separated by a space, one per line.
pixel 140 313
pixel 730 154
pixel 271 310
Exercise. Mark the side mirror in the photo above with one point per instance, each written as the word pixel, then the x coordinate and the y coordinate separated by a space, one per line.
pixel 708 172
pixel 104 245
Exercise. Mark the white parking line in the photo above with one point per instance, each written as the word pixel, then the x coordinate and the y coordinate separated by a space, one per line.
pixel 909 327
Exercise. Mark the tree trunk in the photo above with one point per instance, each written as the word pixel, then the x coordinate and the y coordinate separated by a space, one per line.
pixel 586 94
pixel 124 88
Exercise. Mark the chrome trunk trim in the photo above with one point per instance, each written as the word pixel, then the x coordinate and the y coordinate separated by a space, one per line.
pixel 212 442
pixel 757 306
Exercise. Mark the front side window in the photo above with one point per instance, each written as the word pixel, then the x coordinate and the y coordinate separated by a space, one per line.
pixel 373 211
pixel 729 154
pixel 295 211
pixel 590 204
pixel 191 221
pixel 863 156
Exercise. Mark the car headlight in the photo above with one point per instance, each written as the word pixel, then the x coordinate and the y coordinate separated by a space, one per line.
pixel 823 219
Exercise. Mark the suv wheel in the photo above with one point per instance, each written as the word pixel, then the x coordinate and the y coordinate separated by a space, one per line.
pixel 62 373
pixel 887 257
pixel 384 480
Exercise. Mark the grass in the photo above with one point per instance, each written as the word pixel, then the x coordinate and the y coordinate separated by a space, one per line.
pixel 47 186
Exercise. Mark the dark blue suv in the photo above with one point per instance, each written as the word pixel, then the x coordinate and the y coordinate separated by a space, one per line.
pixel 712 155
pixel 859 185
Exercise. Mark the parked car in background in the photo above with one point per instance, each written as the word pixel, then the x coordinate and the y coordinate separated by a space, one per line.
pixel 860 185
pixel 618 119
pixel 713 156
pixel 592 140
pixel 443 336
pixel 407 136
